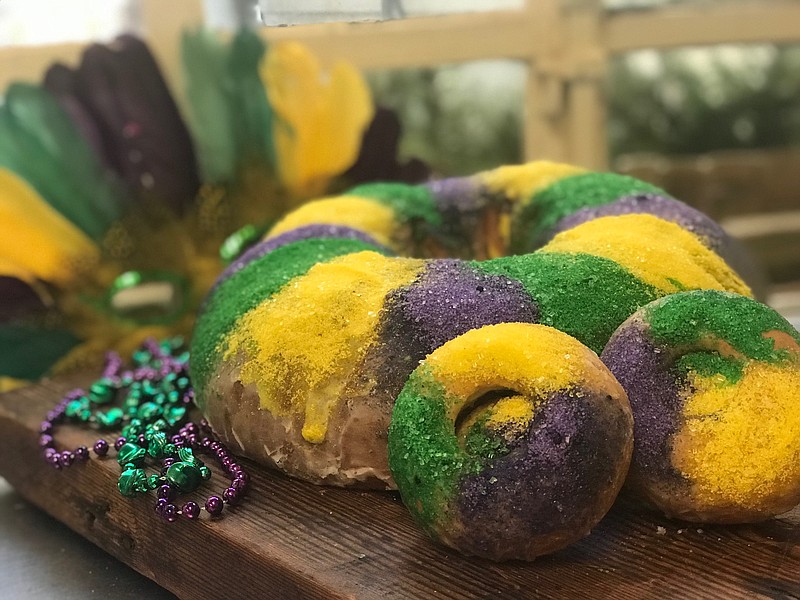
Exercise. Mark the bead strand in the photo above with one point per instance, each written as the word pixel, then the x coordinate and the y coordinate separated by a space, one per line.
pixel 155 395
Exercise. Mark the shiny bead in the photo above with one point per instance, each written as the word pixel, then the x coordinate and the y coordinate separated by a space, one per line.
pixel 186 455
pixel 153 481
pixel 191 510
pixel 46 427
pixel 174 414
pixel 46 441
pixel 156 446
pixel 130 453
pixel 110 419
pixel 100 447
pixel 66 459
pixel 132 482
pixel 160 425
pixel 205 473
pixel 74 408
pixel 214 506
pixel 166 491
pixel 160 504
pixel 184 476
pixel 227 463
pixel 169 513
pixel 49 452
pixel 141 357
pixel 101 392
pixel 148 411
pixel 119 443
pixel 82 453
pixel 231 495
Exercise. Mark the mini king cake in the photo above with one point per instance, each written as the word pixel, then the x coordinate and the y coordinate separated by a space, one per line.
pixel 714 381
pixel 510 441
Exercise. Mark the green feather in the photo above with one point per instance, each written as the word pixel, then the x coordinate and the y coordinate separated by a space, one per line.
pixel 39 142
pixel 27 352
pixel 211 116
pixel 252 112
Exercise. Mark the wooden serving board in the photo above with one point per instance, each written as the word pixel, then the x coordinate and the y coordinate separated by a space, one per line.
pixel 290 539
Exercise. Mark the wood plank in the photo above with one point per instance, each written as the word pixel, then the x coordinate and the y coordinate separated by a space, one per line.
pixel 703 25
pixel 290 539
pixel 419 41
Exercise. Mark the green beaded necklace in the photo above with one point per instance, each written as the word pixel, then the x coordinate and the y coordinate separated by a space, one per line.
pixel 149 402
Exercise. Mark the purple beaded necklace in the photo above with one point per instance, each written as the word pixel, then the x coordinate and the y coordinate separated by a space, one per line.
pixel 149 403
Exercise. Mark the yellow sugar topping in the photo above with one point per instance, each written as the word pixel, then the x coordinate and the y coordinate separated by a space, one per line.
pixel 303 343
pixel 519 183
pixel 531 360
pixel 656 251
pixel 740 443
pixel 37 238
pixel 513 409
pixel 511 414
pixel 373 218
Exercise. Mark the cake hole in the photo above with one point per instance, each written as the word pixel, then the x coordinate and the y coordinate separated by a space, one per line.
pixel 479 405
pixel 494 423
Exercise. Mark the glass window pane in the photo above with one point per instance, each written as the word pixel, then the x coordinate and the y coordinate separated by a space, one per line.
pixel 291 12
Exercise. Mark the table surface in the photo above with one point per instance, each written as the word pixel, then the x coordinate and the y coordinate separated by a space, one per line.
pixel 291 539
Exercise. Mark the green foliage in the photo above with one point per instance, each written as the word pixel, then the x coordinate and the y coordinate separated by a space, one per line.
pixel 458 119
pixel 692 101
pixel 462 119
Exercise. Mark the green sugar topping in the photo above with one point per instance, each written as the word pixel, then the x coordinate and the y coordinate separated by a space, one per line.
pixel 483 440
pixel 424 454
pixel 586 296
pixel 256 282
pixel 545 209
pixel 683 319
pixel 408 201
pixel 708 364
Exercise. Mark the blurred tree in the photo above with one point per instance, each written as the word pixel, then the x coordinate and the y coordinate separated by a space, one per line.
pixel 461 119
pixel 692 101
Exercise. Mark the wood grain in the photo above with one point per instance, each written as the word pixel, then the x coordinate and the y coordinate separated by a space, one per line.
pixel 290 539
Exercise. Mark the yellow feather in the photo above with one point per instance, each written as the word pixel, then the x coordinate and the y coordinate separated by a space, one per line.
pixel 38 239
pixel 319 122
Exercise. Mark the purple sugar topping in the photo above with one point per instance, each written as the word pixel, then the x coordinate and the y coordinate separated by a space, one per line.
pixel 295 235
pixel 452 298
pixel 551 477
pixel 668 209
pixel 448 299
pixel 458 195
pixel 645 373
pixel 462 202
